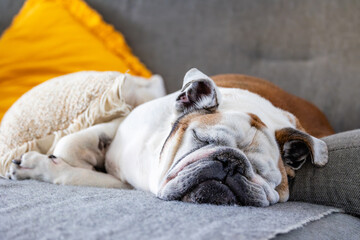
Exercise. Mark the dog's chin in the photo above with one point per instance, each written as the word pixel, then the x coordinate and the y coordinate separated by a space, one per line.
pixel 211 192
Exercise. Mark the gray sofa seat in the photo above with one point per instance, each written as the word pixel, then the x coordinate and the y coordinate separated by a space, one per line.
pixel 336 226
pixel 338 183
pixel 36 210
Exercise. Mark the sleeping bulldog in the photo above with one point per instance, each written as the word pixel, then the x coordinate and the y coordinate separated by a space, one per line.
pixel 229 139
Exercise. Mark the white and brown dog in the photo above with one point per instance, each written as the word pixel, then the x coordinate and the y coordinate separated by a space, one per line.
pixel 230 139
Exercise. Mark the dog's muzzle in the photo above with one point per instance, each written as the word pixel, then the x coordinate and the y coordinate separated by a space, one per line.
pixel 215 175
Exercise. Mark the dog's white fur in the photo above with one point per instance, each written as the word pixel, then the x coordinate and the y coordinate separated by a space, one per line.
pixel 133 157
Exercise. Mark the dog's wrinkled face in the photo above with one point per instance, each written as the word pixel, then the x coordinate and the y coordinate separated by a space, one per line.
pixel 222 155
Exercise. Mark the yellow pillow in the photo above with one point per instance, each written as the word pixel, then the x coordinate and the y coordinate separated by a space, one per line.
pixel 49 38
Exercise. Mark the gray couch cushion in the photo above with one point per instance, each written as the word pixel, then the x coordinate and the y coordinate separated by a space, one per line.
pixel 36 210
pixel 309 48
pixel 335 226
pixel 8 9
pixel 338 183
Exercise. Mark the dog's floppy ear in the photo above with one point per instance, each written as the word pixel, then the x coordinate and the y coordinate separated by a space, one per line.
pixel 199 92
pixel 297 146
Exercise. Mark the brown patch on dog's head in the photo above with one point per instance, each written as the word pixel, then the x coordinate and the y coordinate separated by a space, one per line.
pixel 181 125
pixel 295 121
pixel 255 121
pixel 208 119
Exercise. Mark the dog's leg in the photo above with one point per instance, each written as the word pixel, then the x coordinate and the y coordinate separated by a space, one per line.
pixel 87 148
pixel 34 165
pixel 74 160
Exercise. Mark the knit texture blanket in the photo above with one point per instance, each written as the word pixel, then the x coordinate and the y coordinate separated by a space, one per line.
pixel 36 210
pixel 67 104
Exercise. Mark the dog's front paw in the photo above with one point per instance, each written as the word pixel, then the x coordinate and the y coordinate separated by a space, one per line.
pixel 31 165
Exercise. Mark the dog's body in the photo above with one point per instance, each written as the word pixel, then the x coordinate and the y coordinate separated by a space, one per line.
pixel 214 143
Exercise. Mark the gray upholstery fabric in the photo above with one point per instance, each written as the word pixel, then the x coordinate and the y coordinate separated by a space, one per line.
pixel 345 226
pixel 338 183
pixel 36 210
pixel 309 48
pixel 8 9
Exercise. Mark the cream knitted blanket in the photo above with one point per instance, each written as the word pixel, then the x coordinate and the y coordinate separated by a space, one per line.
pixel 67 104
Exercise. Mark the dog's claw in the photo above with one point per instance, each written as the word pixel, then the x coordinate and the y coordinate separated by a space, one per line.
pixel 16 161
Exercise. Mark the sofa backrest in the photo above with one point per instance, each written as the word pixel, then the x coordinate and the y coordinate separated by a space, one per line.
pixel 309 48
